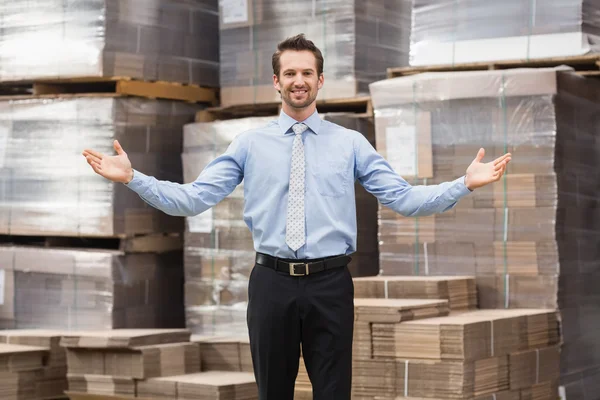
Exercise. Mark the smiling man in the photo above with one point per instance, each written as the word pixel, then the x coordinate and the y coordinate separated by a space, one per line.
pixel 299 173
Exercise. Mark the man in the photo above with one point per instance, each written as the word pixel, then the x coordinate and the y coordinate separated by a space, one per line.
pixel 299 174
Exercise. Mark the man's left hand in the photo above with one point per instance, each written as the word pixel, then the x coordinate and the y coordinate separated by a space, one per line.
pixel 480 174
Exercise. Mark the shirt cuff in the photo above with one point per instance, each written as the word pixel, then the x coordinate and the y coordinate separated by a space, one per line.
pixel 138 183
pixel 459 189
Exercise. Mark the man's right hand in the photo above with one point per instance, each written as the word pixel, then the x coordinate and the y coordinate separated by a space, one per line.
pixel 116 168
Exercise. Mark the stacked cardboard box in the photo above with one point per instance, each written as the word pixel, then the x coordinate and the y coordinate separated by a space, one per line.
pixel 219 251
pixel 109 362
pixel 51 381
pixel 358 39
pixel 460 291
pixel 224 353
pixel 500 353
pixel 148 364
pixel 168 40
pixel 531 238
pixel 365 261
pixel 59 194
pixel 22 369
pixel 460 31
pixel 201 386
pixel 89 289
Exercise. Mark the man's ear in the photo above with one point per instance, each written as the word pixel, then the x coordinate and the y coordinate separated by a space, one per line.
pixel 321 81
pixel 276 84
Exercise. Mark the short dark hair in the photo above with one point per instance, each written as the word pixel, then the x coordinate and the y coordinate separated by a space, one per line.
pixel 297 43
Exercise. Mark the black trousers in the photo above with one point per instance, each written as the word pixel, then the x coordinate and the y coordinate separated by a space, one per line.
pixel 314 311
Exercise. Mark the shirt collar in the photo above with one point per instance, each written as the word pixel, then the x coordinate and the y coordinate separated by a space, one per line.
pixel 286 122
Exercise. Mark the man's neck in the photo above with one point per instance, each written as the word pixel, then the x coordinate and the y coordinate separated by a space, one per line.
pixel 299 114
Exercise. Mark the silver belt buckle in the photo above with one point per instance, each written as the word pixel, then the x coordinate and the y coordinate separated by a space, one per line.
pixel 293 269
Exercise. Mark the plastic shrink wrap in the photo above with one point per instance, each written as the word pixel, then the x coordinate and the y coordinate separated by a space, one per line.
pixel 168 40
pixel 462 31
pixel 46 185
pixel 358 39
pixel 90 289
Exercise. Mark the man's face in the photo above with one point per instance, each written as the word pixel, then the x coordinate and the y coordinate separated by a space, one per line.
pixel 298 81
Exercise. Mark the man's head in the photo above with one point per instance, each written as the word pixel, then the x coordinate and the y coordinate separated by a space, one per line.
pixel 298 71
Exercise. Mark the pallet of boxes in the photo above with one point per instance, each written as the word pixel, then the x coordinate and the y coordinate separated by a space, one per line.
pixel 529 240
pixel 426 338
pixel 77 252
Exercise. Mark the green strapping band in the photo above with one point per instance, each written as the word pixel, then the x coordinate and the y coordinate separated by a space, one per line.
pixel 530 28
pixel 416 177
pixel 213 235
pixel 255 78
pixel 505 184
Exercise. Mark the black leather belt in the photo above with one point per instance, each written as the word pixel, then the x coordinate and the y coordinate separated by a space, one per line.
pixel 302 267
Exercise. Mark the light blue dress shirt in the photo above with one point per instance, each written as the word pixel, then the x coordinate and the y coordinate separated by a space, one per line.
pixel 335 158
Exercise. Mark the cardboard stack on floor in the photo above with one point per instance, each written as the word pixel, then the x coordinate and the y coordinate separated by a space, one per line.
pixel 523 237
pixel 49 382
pixel 507 354
pixel 148 364
pixel 219 252
pixel 22 372
pixel 224 353
pixel 460 291
pixel 358 39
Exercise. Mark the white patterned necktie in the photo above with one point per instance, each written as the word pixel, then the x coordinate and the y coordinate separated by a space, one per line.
pixel 294 232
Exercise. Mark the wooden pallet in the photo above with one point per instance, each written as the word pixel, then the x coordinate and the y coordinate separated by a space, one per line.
pixel 358 105
pixel 588 65
pixel 108 86
pixel 152 243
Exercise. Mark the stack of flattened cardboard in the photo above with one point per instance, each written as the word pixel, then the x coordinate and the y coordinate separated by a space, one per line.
pixel 359 40
pixel 201 386
pixel 219 252
pixel 22 367
pixel 460 356
pixel 51 381
pixel 373 375
pixel 57 288
pixel 110 362
pixel 530 239
pixel 167 40
pixel 62 196
pixel 224 353
pixel 448 32
pixel 460 291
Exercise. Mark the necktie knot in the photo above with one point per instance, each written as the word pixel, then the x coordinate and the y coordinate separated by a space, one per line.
pixel 299 128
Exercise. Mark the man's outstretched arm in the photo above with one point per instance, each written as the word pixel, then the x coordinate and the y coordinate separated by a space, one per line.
pixel 217 180
pixel 377 177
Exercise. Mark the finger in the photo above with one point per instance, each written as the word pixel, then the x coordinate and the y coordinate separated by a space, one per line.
pixel 502 164
pixel 91 157
pixel 480 155
pixel 118 147
pixel 95 166
pixel 501 171
pixel 94 153
pixel 502 158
